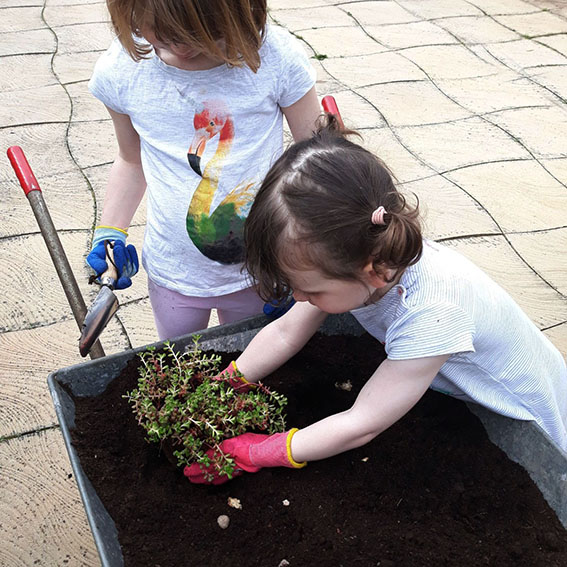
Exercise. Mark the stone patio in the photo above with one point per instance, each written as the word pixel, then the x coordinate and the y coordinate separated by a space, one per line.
pixel 465 100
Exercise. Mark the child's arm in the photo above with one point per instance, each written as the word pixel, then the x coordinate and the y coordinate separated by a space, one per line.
pixel 392 391
pixel 395 387
pixel 279 341
pixel 124 191
pixel 126 183
pixel 302 115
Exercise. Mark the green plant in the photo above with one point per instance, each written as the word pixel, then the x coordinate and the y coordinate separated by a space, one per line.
pixel 183 407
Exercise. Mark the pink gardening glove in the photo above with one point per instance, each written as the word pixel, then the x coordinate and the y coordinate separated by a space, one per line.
pixel 251 452
pixel 235 378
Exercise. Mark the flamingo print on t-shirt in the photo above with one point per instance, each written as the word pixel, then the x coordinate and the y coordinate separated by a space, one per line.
pixel 218 233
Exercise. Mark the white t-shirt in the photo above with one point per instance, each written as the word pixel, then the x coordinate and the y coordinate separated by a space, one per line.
pixel 444 304
pixel 193 239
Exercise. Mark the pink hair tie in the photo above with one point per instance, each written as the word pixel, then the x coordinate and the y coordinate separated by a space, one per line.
pixel 378 216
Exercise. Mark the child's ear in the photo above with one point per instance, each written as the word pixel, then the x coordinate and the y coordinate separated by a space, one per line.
pixel 372 277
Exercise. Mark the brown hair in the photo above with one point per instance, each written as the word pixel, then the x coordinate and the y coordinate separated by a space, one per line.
pixel 240 23
pixel 314 210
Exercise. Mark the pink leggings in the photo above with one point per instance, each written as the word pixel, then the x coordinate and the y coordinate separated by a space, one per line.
pixel 176 314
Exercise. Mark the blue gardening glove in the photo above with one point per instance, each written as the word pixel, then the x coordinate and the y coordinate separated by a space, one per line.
pixel 275 308
pixel 125 257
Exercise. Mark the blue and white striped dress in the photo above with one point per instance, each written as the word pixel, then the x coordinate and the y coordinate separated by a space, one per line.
pixel 444 304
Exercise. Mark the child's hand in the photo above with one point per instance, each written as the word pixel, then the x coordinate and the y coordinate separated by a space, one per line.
pixel 235 378
pixel 125 257
pixel 251 452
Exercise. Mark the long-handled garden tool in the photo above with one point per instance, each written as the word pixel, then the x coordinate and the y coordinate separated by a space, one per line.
pixel 330 105
pixel 33 192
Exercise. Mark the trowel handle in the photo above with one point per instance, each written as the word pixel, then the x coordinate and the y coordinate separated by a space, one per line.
pixel 110 276
pixel 22 169
pixel 330 105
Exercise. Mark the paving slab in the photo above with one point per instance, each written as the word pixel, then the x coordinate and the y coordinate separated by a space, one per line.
pixel 556 42
pixel 21 18
pixel 32 41
pixel 554 78
pixel 26 72
pixel 25 402
pixel 498 184
pixel 294 19
pixel 534 24
pixel 75 67
pixel 83 37
pixel 440 9
pixel 340 42
pixel 368 13
pixel 34 106
pixel 494 7
pixel 413 103
pixel 542 131
pixel 525 53
pixel 57 189
pixel 92 143
pixel 450 212
pixel 43 521
pixel 33 296
pixel 76 14
pixel 405 164
pixel 452 145
pixel 558 336
pixel 45 146
pixel 449 62
pixel 474 29
pixel 375 69
pixel 545 306
pixel 502 91
pixel 85 107
pixel 534 246
pixel 410 34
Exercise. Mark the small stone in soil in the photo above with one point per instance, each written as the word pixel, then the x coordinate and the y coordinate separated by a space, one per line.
pixel 284 563
pixel 285 502
pixel 234 503
pixel 223 521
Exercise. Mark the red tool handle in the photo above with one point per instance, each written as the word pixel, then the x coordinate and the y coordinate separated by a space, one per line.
pixel 330 105
pixel 23 170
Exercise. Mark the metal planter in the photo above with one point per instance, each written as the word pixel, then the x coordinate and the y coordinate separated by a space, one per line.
pixel 523 442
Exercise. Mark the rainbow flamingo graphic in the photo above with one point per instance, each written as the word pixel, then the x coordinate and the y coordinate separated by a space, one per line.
pixel 217 234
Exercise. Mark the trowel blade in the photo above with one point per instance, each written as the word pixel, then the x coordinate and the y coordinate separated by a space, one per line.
pixel 99 314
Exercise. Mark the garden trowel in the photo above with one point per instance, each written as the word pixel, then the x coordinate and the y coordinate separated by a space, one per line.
pixel 104 306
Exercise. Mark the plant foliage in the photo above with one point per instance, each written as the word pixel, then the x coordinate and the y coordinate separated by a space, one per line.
pixel 180 401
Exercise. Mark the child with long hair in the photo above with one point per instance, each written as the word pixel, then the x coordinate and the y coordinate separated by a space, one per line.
pixel 330 224
pixel 196 90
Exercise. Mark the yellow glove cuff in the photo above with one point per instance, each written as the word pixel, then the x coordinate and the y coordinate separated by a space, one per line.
pixel 294 464
pixel 113 228
pixel 239 374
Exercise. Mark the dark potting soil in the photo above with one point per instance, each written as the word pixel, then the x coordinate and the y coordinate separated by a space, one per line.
pixel 430 491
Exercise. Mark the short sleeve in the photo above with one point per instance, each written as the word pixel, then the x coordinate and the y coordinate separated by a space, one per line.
pixel 430 330
pixel 103 83
pixel 296 74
